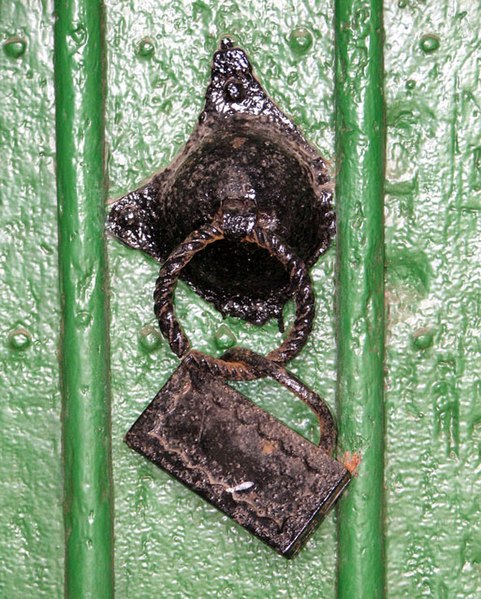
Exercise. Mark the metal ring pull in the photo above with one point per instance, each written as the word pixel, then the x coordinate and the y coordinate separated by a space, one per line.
pixel 260 366
pixel 199 240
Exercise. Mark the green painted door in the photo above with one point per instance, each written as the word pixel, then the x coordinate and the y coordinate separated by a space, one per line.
pixel 93 101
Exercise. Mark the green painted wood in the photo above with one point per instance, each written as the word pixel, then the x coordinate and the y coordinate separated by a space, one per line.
pixel 433 282
pixel 84 364
pixel 31 527
pixel 168 542
pixel 360 293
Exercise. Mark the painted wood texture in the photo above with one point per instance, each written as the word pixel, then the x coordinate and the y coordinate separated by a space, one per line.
pixel 79 75
pixel 156 58
pixel 360 137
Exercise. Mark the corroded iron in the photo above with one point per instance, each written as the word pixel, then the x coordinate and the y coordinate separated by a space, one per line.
pixel 210 437
pixel 242 147
pixel 241 214
pixel 255 234
pixel 269 479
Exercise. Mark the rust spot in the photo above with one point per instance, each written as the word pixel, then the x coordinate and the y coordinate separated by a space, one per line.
pixel 268 447
pixel 351 462
pixel 238 142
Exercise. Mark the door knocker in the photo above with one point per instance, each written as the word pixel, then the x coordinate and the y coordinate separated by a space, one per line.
pixel 241 214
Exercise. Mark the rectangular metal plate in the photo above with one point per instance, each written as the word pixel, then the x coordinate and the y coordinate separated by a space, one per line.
pixel 244 461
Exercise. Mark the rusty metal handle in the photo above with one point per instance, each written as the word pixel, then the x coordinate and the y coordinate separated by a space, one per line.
pixel 197 241
pixel 260 366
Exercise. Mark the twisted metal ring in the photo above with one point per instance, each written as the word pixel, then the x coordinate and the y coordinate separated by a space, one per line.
pixel 183 254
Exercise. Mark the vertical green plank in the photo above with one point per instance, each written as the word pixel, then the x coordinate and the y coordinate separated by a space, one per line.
pixel 169 542
pixel 31 535
pixel 360 163
pixel 433 282
pixel 84 353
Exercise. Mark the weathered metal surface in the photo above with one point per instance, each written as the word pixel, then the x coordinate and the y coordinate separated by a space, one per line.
pixel 268 478
pixel 243 146
pixel 168 539
pixel 299 283
pixel 209 436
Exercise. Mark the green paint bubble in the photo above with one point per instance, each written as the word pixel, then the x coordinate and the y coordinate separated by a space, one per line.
pixel 19 339
pixel 83 318
pixel 410 84
pixel 146 47
pixel 300 40
pixel 422 340
pixel 15 47
pixel 79 34
pixel 292 77
pixel 429 43
pixel 224 337
pixel 150 339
